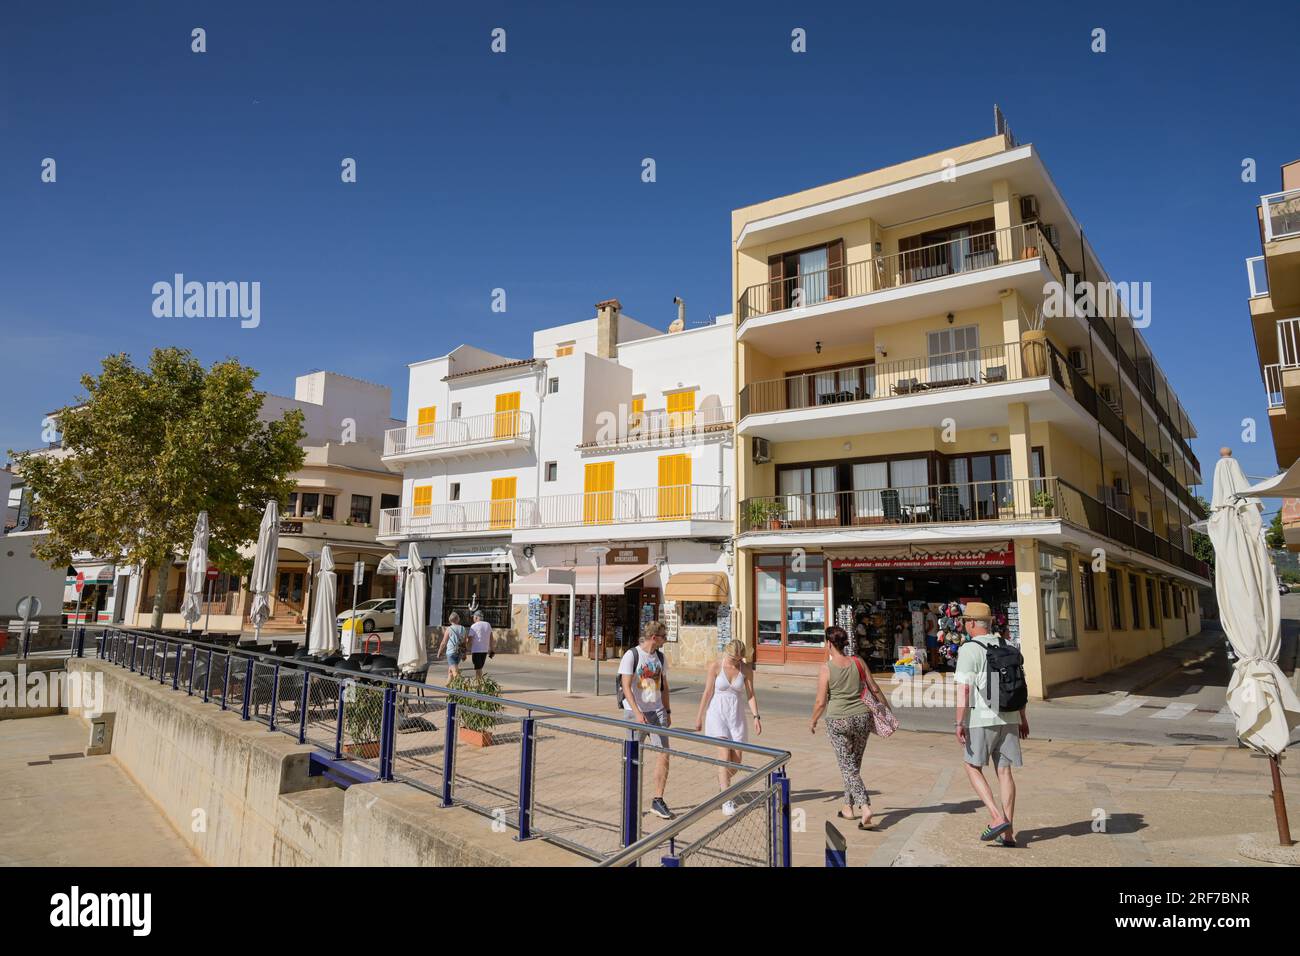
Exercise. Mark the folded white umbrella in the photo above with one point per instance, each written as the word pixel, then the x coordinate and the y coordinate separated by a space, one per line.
pixel 1259 694
pixel 322 633
pixel 1285 485
pixel 389 564
pixel 196 570
pixel 262 581
pixel 413 654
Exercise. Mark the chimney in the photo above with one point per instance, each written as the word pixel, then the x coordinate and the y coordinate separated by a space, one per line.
pixel 607 328
pixel 680 322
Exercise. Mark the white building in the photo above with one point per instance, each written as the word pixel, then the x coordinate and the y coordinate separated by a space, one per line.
pixel 613 434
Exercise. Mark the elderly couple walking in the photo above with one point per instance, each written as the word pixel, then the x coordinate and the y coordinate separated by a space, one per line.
pixel 990 718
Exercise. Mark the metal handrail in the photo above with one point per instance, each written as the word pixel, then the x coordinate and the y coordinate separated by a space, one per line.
pixel 628 505
pixel 508 425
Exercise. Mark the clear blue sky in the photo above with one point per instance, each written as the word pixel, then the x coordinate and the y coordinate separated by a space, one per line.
pixel 522 170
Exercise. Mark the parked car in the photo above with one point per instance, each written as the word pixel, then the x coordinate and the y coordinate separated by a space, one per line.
pixel 376 615
pixel 1283 588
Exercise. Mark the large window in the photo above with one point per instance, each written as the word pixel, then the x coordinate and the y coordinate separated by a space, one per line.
pixel 790 605
pixel 1089 589
pixel 1057 599
pixel 1135 600
pixel 360 513
pixel 1152 619
pixel 310 504
pixel 954 355
pixel 1116 604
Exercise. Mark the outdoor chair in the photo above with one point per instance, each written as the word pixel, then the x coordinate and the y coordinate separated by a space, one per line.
pixel 906 386
pixel 351 664
pixel 949 504
pixel 333 660
pixel 996 373
pixel 891 505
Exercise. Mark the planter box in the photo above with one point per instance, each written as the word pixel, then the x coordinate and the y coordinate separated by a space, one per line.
pixel 365 751
pixel 475 738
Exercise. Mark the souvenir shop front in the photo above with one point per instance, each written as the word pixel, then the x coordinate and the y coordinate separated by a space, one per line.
pixel 891 599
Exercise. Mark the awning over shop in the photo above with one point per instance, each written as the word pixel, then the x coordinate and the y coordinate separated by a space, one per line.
pixel 697 586
pixel 614 579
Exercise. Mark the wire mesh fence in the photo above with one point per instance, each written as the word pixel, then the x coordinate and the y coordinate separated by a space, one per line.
pixel 321 728
pixel 746 837
pixel 363 718
pixel 485 774
pixel 420 742
pixel 578 792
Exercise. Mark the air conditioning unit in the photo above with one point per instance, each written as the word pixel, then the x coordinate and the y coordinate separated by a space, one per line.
pixel 1079 360
pixel 1028 208
pixel 761 453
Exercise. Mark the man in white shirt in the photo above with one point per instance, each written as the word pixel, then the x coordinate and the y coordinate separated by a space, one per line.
pixel 643 674
pixel 480 647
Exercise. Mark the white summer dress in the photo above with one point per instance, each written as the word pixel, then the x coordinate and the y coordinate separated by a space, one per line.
pixel 726 714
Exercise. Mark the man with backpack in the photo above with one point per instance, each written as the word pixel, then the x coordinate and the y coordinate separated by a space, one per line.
pixel 642 690
pixel 991 699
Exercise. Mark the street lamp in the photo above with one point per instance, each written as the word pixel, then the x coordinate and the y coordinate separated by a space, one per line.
pixel 599 551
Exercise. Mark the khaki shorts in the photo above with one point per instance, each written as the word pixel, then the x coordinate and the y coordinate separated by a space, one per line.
pixel 999 743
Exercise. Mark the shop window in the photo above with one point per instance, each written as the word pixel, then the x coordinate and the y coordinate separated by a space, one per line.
pixel 698 614
pixel 1089 589
pixel 1057 599
pixel 1116 605
pixel 1135 600
pixel 360 512
pixel 790 605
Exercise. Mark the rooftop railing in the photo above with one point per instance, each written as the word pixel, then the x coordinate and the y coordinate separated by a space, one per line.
pixel 459 433
pixel 569 778
pixel 1281 214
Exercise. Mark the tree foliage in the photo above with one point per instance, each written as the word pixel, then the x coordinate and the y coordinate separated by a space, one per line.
pixel 1274 537
pixel 1202 549
pixel 146 449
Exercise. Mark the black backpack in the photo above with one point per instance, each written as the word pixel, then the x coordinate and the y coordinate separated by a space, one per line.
pixel 1008 664
pixel 618 678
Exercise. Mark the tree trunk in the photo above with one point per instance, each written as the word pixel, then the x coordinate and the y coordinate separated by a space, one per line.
pixel 160 592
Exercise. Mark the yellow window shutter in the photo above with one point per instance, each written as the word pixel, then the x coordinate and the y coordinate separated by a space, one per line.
pixel 681 410
pixel 674 486
pixel 507 421
pixel 598 492
pixel 503 502
pixel 422 500
pixel 428 417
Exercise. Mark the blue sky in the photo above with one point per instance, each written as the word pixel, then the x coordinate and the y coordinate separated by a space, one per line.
pixel 522 170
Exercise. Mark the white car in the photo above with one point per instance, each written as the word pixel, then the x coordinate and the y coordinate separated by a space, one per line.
pixel 376 615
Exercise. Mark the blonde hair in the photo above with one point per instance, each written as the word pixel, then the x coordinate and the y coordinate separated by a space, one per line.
pixel 735 649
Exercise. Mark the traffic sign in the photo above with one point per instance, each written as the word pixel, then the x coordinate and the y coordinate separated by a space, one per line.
pixel 81 581
pixel 29 607
pixel 359 572
pixel 212 573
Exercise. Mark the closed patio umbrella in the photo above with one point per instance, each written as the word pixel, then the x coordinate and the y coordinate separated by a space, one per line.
pixel 413 654
pixel 1285 485
pixel 262 581
pixel 196 569
pixel 322 634
pixel 1263 702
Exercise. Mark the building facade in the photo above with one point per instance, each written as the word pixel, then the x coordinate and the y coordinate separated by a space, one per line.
pixel 614 435
pixel 911 431
pixel 1274 278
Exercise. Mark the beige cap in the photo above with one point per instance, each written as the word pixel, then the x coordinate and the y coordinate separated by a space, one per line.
pixel 978 611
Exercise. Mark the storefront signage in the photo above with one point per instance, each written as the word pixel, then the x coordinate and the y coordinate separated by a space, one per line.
pixel 628 556
pixel 998 557
pixel 290 527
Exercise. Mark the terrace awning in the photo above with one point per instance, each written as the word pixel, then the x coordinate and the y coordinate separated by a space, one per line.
pixel 697 586
pixel 614 579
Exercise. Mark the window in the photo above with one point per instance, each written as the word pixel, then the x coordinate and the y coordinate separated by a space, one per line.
pixel 1164 598
pixel 552 471
pixel 1152 620
pixel 563 349
pixel 455 409
pixel 360 512
pixel 954 355
pixel 681 410
pixel 1056 598
pixel 1135 600
pixel 598 492
pixel 327 507
pixel 552 386
pixel 503 501
pixel 453 491
pixel 292 508
pixel 507 420
pixel 806 276
pixel 390 501
pixel 674 486
pixel 637 413
pixel 953 249
pixel 1088 588
pixel 1116 605
pixel 422 501
pixel 698 614
pixel 310 501
pixel 1178 602
pixel 426 421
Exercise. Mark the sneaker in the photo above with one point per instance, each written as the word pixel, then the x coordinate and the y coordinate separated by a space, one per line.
pixel 729 808
pixel 660 809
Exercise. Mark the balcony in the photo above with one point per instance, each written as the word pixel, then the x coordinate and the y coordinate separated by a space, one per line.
pixel 493 433
pixel 455 518
pixel 671 511
pixel 893 395
pixel 1280 219
pixel 779 316
pixel 1281 215
pixel 662 428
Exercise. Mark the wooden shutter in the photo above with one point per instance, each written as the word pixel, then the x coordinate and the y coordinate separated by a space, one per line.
pixel 674 487
pixel 598 492
pixel 507 421
pixel 777 295
pixel 422 500
pixel 681 410
pixel 427 419
pixel 836 283
pixel 503 502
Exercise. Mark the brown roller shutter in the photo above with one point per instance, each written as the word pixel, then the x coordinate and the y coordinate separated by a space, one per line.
pixel 776 293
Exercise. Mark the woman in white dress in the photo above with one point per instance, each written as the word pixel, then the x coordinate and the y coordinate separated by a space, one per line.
pixel 728 687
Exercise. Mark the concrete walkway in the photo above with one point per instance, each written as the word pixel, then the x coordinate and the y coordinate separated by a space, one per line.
pixel 59 808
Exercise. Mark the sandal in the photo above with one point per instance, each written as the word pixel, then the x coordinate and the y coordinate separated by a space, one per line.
pixel 851 816
pixel 989 833
pixel 1004 840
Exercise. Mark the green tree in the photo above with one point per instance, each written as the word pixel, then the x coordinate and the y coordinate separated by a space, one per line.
pixel 1201 547
pixel 1274 537
pixel 147 449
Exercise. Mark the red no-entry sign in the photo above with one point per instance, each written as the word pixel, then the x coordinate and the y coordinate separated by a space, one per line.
pixel 81 581
pixel 212 574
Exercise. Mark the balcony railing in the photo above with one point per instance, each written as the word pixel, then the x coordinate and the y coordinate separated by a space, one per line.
pixel 450 518
pixel 1288 342
pixel 957 256
pixel 459 433
pixel 1281 214
pixel 1258 276
pixel 860 383
pixel 1097 516
pixel 628 506
pixel 661 426
pixel 1273 385
pixel 949 503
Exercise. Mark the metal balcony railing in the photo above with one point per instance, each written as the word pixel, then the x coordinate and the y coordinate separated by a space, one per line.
pixel 628 506
pixel 449 518
pixel 660 426
pixel 1288 343
pixel 1273 385
pixel 1281 214
pixel 966 254
pixel 947 503
pixel 459 433
pixel 860 383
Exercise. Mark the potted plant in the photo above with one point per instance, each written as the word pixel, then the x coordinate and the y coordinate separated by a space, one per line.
pixel 1033 344
pixel 764 513
pixel 363 714
pixel 1044 503
pixel 476 720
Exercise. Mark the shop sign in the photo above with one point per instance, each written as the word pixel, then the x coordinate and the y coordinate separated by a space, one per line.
pixel 628 556
pixel 290 527
pixel 996 557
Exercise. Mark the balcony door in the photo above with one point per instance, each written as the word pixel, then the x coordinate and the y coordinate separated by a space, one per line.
pixel 598 492
pixel 954 355
pixel 809 495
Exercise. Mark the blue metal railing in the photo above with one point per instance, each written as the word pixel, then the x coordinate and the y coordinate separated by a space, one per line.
pixel 376 727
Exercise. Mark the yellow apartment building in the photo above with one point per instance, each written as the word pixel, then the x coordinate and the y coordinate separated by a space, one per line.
pixel 1275 319
pixel 911 431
